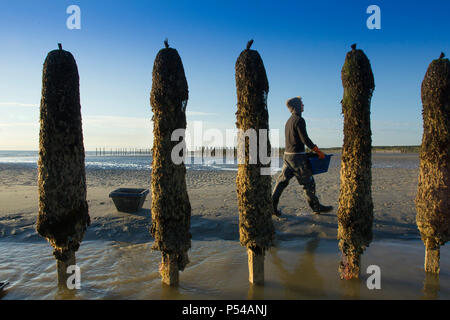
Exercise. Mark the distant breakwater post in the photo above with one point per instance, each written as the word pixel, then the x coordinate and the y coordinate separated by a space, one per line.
pixel 355 212
pixel 171 209
pixel 222 154
pixel 253 188
pixel 125 152
pixel 63 209
pixel 433 192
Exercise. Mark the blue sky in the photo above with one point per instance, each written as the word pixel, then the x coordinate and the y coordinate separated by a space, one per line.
pixel 303 46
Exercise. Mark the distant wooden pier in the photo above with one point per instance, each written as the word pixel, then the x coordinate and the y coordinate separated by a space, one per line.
pixel 217 152
pixel 124 152
pixel 201 152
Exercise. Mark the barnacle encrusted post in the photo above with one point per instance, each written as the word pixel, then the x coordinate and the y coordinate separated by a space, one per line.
pixel 253 188
pixel 63 209
pixel 355 213
pixel 433 194
pixel 171 209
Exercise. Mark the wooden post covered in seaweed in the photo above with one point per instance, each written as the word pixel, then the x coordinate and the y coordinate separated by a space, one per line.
pixel 253 188
pixel 355 213
pixel 171 209
pixel 63 209
pixel 433 194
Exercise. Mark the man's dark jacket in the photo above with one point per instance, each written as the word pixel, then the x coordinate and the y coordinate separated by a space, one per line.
pixel 296 135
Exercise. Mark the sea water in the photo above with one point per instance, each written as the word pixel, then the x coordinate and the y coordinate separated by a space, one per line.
pixel 93 161
pixel 297 269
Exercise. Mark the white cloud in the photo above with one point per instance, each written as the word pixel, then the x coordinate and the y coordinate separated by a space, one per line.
pixel 19 135
pixel 137 132
pixel 31 125
pixel 18 104
pixel 200 113
pixel 98 131
pixel 118 122
pixel 117 132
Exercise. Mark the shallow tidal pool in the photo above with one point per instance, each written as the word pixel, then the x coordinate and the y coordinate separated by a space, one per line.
pixel 296 269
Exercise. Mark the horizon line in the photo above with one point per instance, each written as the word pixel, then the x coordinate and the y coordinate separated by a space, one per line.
pixel 133 148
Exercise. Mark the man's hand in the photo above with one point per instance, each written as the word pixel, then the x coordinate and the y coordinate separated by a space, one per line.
pixel 319 153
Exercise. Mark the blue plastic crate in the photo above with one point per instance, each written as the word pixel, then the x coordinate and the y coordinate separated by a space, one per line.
pixel 319 165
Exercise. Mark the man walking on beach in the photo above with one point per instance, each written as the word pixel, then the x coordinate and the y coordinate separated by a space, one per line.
pixel 295 159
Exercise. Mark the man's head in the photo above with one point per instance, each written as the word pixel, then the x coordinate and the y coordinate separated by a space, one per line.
pixel 295 105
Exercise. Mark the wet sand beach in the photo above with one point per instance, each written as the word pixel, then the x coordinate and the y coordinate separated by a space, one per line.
pixel 117 263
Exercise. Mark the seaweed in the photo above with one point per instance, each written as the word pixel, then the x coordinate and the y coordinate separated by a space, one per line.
pixel 171 209
pixel 253 189
pixel 433 192
pixel 63 209
pixel 355 213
